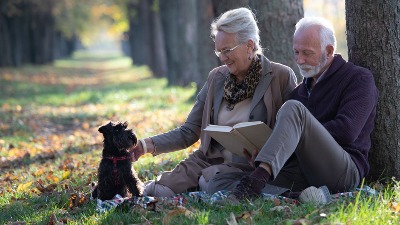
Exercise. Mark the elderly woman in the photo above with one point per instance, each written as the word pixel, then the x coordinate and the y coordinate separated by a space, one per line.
pixel 248 87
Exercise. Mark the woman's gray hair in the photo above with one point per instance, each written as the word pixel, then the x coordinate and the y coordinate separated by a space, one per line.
pixel 326 31
pixel 242 22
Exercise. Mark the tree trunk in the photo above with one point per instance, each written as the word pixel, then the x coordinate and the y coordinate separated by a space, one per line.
pixel 139 32
pixel 169 17
pixel 42 30
pixel 158 61
pixel 373 39
pixel 146 36
pixel 205 55
pixel 63 46
pixel 221 6
pixel 5 42
pixel 276 21
pixel 180 29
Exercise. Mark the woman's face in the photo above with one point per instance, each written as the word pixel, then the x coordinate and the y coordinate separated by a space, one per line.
pixel 237 59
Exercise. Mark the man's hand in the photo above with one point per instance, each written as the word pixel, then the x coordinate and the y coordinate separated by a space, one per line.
pixel 250 157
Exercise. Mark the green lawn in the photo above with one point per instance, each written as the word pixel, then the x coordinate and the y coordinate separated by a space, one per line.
pixel 50 150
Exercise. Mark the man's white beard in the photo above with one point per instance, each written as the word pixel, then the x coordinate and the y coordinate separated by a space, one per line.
pixel 313 70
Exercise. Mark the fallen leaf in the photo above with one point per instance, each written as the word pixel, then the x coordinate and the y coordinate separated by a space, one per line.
pixel 45 189
pixel 52 178
pixel 5 164
pixel 395 207
pixel 23 187
pixel 77 200
pixel 54 221
pixel 66 175
pixel 86 126
pixel 179 211
pixel 38 172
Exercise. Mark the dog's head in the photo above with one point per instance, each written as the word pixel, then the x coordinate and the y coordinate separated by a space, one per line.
pixel 118 136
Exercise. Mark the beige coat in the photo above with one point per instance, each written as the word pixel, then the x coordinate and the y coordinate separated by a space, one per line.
pixel 273 90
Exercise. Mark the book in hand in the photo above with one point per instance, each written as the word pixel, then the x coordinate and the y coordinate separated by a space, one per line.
pixel 247 135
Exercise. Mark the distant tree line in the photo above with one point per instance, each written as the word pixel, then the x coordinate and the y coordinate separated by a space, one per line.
pixel 171 37
pixel 30 32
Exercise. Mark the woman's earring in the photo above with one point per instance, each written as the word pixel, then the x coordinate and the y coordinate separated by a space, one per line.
pixel 249 57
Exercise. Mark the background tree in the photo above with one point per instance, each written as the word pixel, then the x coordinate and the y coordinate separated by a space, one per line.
pixel 139 32
pixel 37 31
pixel 373 37
pixel 206 57
pixel 221 6
pixel 179 20
pixel 277 20
pixel 159 55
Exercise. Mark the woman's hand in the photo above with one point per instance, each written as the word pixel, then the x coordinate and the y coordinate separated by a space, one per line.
pixel 142 147
pixel 251 157
pixel 136 151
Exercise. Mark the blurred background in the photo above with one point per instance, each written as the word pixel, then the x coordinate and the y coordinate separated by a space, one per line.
pixel 171 37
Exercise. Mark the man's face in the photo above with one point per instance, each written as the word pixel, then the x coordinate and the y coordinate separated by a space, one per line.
pixel 309 56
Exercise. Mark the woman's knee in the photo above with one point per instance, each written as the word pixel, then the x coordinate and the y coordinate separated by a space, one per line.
pixel 224 181
pixel 157 190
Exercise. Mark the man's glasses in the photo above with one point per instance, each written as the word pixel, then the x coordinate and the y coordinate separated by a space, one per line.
pixel 225 52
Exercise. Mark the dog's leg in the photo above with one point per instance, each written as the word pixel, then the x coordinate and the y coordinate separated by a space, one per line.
pixel 105 186
pixel 135 186
pixel 94 192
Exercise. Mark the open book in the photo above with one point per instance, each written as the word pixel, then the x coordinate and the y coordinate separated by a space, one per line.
pixel 247 135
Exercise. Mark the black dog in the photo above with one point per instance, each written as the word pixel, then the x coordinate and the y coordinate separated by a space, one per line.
pixel 115 172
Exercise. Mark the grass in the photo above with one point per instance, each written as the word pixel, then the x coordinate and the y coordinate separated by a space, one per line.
pixel 50 150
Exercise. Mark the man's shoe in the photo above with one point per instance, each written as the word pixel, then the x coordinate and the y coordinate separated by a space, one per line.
pixel 320 196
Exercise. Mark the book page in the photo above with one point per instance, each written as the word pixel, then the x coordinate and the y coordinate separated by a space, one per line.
pixel 231 140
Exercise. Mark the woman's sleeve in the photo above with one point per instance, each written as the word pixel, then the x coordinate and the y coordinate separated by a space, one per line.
pixel 185 135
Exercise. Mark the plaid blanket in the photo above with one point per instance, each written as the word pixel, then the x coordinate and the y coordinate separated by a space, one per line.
pixel 160 203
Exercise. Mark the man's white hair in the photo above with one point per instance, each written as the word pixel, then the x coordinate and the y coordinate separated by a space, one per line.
pixel 240 21
pixel 326 30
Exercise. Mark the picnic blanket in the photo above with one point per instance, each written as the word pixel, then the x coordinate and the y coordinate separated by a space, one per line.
pixel 160 203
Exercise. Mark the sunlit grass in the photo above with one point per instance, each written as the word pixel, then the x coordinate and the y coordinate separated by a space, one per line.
pixel 379 209
pixel 94 61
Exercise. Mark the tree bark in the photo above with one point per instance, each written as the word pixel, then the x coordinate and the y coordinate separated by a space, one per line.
pixel 42 31
pixel 206 57
pixel 5 42
pixel 276 21
pixel 373 39
pixel 171 38
pixel 158 59
pixel 180 28
pixel 139 32
pixel 221 6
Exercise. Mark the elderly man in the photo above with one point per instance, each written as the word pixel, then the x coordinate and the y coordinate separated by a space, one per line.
pixel 322 134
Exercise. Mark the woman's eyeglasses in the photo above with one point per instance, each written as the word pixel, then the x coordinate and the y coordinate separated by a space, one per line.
pixel 225 52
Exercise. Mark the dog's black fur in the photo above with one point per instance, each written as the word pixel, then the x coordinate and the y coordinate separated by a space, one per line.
pixel 115 174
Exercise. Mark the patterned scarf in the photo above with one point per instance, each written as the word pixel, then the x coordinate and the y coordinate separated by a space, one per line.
pixel 235 92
